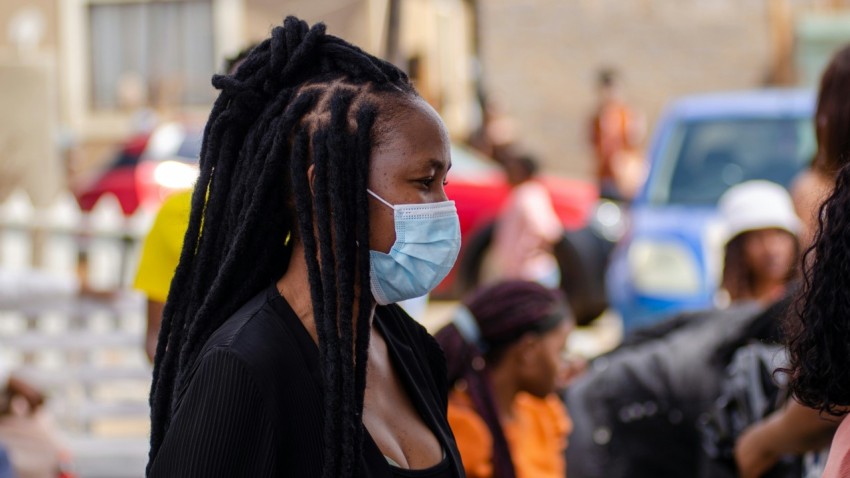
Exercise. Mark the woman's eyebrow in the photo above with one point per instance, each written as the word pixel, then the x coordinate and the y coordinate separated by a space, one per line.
pixel 439 165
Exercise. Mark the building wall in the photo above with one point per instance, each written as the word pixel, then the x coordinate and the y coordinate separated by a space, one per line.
pixel 436 33
pixel 540 58
pixel 8 8
pixel 344 18
pixel 28 156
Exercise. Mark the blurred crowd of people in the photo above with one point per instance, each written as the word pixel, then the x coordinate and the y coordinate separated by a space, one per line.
pixel 663 403
pixel 710 393
pixel 744 389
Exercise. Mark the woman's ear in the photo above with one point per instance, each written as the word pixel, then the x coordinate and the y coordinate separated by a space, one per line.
pixel 525 349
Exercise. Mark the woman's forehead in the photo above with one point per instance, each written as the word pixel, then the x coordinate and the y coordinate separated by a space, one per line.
pixel 414 131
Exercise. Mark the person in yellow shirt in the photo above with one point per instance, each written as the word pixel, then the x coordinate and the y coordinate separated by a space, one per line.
pixel 504 355
pixel 163 244
pixel 160 255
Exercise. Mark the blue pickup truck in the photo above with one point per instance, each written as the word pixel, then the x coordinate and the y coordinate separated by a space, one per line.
pixel 670 258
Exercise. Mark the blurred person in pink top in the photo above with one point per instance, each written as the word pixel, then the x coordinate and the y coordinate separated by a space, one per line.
pixel 527 229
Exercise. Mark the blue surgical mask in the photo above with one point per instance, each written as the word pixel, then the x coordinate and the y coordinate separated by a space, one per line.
pixel 427 241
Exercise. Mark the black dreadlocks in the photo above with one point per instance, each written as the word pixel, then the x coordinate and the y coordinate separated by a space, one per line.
pixel 300 98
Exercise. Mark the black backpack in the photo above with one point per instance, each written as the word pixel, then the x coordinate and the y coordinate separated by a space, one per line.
pixel 751 390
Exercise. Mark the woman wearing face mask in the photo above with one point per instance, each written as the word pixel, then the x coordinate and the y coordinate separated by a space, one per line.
pixel 504 350
pixel 322 203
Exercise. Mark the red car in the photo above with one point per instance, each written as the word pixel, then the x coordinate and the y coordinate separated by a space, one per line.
pixel 480 189
pixel 148 168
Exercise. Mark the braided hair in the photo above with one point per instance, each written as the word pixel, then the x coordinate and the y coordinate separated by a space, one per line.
pixel 299 99
pixel 503 314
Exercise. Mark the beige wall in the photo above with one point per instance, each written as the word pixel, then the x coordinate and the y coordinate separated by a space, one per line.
pixel 436 31
pixel 540 58
pixel 347 19
pixel 28 155
pixel 440 35
pixel 47 7
pixel 47 51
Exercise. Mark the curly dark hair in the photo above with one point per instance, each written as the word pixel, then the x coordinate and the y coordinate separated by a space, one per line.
pixel 818 330
pixel 301 98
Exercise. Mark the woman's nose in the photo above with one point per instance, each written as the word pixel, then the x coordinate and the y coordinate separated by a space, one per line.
pixel 441 194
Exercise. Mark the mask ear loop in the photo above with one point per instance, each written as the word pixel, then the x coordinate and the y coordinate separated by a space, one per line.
pixel 379 198
pixel 465 323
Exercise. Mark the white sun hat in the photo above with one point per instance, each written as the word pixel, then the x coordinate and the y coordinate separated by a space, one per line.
pixel 757 205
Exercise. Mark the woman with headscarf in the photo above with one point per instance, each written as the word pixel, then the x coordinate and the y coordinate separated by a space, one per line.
pixel 504 350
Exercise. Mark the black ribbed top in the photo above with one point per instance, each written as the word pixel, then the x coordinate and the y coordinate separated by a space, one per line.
pixel 252 406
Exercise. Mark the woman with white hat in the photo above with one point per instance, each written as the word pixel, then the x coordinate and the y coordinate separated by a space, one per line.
pixel 636 412
pixel 762 249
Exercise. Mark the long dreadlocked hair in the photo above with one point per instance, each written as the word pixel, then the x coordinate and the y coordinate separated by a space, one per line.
pixel 301 98
pixel 504 313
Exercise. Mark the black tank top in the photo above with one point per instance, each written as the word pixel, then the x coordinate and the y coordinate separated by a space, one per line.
pixel 440 470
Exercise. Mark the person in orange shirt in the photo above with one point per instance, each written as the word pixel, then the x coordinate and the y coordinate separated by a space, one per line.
pixel 616 131
pixel 504 355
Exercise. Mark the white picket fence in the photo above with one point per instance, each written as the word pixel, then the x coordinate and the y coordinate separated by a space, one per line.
pixel 84 350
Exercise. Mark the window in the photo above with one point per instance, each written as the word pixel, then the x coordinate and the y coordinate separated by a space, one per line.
pixel 151 53
pixel 704 158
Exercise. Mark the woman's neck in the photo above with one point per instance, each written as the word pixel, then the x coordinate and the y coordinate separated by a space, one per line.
pixel 768 291
pixel 505 388
pixel 294 286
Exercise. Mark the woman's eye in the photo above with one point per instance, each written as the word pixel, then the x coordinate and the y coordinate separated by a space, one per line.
pixel 428 182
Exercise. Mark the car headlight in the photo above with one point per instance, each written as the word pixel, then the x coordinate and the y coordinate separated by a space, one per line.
pixel 609 221
pixel 175 175
pixel 664 268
